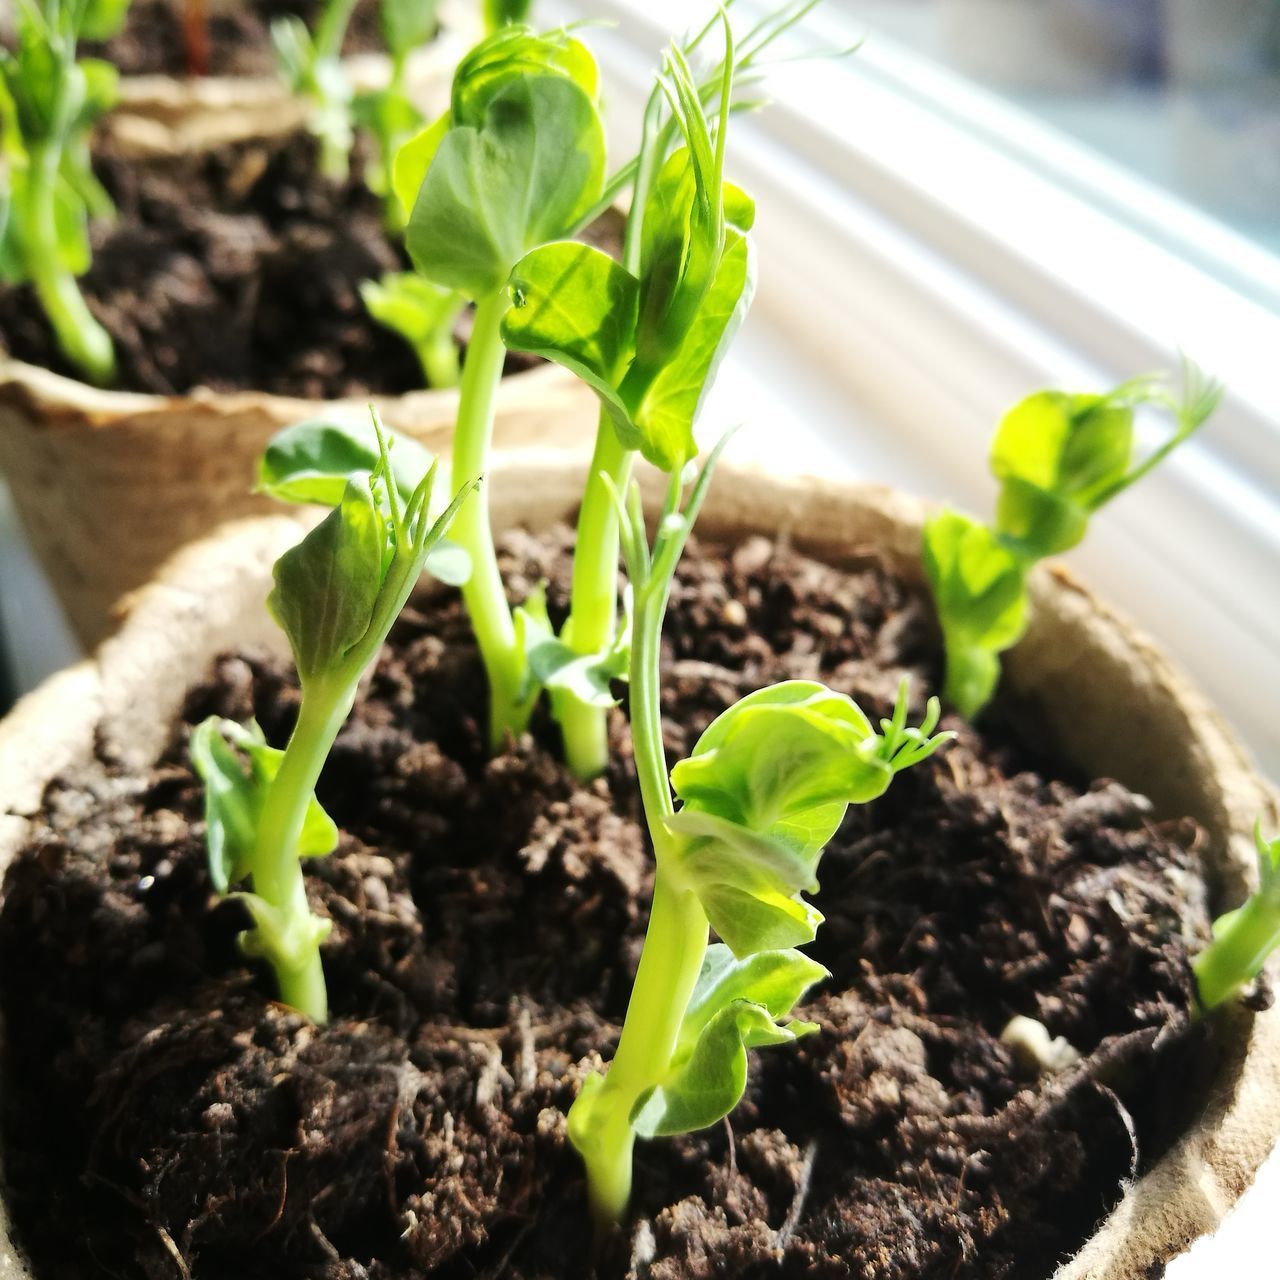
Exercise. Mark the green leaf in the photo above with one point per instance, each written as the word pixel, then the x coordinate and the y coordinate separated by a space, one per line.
pixel 284 939
pixel 406 24
pixel 979 588
pixel 520 179
pixel 237 766
pixel 775 980
pixel 101 19
pixel 709 1083
pixel 424 315
pixel 665 416
pixel 765 789
pixel 1055 455
pixel 573 304
pixel 413 159
pixel 513 54
pixel 327 586
pixel 314 461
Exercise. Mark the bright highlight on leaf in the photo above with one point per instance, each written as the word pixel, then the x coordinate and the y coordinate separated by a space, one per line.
pixel 1245 937
pixel 336 596
pixel 1058 458
pixel 48 105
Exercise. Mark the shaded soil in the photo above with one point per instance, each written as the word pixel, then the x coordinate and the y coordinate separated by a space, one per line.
pixel 153 40
pixel 163 1118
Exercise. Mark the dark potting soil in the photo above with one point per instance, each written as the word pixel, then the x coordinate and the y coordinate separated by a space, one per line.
pixel 163 1118
pixel 153 39
pixel 236 270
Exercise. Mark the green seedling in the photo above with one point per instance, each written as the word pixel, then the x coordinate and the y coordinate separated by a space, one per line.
pixel 764 791
pixel 389 114
pixel 336 596
pixel 424 315
pixel 647 334
pixel 1245 937
pixel 517 161
pixel 311 66
pixel 1058 459
pixel 48 103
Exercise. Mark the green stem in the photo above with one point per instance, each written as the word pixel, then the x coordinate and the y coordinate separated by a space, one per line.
pixel 1241 944
pixel 674 946
pixel 277 874
pixel 484 594
pixel 84 341
pixel 593 606
pixel 331 30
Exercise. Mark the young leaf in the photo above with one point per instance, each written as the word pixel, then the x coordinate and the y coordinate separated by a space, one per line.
pixel 314 461
pixel 765 789
pixel 520 178
pixel 573 304
pixel 704 1087
pixel 327 586
pixel 1243 939
pixel 979 586
pixel 236 766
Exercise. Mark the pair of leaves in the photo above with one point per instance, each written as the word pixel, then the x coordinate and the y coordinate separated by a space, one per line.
pixel 515 163
pixel 574 305
pixel 1058 458
pixel 737 1005
pixel 766 788
pixel 237 766
pixel 331 588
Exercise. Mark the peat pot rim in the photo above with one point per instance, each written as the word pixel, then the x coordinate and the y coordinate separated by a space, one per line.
pixel 1105 691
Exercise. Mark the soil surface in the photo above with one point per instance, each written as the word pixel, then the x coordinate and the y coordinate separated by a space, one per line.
pixel 162 1118
pixel 153 40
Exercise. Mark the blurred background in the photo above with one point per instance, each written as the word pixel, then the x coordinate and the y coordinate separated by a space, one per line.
pixel 988 197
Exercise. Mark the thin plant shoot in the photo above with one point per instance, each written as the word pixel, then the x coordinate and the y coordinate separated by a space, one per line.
pixel 763 792
pixel 1058 459
pixel 336 596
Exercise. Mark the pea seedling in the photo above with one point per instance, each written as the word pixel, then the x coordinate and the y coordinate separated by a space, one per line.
pixel 311 66
pixel 48 103
pixel 765 789
pixel 336 596
pixel 647 334
pixel 1058 458
pixel 1245 937
pixel 516 161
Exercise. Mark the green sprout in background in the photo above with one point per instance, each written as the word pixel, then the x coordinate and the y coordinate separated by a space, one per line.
pixel 763 792
pixel 336 596
pixel 1058 459
pixel 311 66
pixel 1245 937
pixel 48 104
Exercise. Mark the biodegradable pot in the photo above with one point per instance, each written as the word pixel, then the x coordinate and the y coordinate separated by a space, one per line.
pixel 1108 698
pixel 109 483
pixel 161 114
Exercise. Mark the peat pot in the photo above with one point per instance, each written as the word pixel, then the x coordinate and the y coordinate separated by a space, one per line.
pixel 109 483
pixel 1107 697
